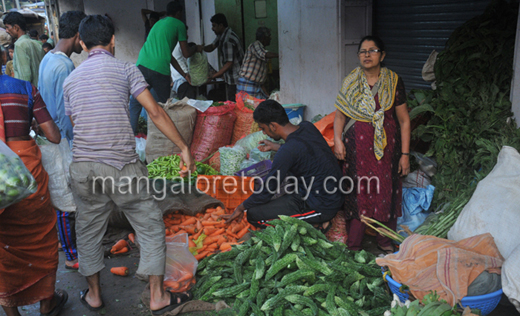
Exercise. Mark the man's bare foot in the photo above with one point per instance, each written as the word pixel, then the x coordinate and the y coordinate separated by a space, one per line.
pixel 90 301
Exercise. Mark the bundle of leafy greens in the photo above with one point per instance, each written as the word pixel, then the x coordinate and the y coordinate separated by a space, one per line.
pixel 469 110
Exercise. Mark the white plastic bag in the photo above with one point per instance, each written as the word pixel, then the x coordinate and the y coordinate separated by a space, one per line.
pixel 56 160
pixel 230 159
pixel 494 207
pixel 140 148
pixel 16 182
pixel 250 142
pixel 181 265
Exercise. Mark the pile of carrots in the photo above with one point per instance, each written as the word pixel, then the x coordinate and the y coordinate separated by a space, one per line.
pixel 207 233
pixel 180 283
pixel 218 236
pixel 120 247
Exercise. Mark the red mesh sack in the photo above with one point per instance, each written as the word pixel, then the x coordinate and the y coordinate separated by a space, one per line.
pixel 245 124
pixel 338 231
pixel 213 130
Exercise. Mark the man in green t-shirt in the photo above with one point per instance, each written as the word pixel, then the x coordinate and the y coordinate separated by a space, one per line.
pixel 156 56
pixel 28 53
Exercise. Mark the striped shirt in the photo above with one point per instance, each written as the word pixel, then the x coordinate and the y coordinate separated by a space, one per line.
pixel 20 102
pixel 96 96
pixel 254 67
pixel 230 49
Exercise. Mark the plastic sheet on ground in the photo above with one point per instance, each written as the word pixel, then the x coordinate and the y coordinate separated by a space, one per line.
pixel 427 263
pixel 190 306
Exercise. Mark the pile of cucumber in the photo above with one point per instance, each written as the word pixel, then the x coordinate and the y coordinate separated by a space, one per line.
pixel 291 268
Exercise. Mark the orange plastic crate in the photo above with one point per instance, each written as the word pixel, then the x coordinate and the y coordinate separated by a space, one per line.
pixel 230 190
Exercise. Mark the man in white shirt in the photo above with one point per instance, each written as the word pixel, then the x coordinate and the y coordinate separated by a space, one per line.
pixel 180 85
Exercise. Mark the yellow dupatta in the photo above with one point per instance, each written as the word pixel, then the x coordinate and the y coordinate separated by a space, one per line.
pixel 355 100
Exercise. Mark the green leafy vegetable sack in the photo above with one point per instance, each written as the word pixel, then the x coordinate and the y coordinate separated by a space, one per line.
pixel 198 69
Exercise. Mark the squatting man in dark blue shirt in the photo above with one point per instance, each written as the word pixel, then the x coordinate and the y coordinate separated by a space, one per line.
pixel 308 165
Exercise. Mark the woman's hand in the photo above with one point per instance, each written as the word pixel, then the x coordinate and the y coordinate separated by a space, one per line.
pixel 404 165
pixel 339 124
pixel 339 150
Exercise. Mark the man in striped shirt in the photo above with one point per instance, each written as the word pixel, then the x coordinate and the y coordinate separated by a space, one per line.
pixel 230 51
pixel 96 98
pixel 254 68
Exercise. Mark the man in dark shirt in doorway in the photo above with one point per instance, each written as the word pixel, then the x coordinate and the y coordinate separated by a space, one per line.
pixel 308 166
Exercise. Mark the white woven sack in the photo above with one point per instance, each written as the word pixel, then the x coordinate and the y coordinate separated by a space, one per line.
pixel 183 116
pixel 495 206
pixel 511 278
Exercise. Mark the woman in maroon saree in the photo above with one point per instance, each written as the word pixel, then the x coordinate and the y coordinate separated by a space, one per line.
pixel 375 148
pixel 28 236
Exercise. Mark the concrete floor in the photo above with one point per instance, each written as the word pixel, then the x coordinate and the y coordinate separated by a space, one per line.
pixel 121 295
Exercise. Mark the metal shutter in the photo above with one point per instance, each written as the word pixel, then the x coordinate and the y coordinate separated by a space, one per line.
pixel 412 29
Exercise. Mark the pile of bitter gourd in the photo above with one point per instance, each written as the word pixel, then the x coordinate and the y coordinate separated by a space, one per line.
pixel 290 268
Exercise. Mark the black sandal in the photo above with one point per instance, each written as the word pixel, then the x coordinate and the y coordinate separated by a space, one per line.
pixel 324 230
pixel 83 301
pixel 174 302
pixel 59 304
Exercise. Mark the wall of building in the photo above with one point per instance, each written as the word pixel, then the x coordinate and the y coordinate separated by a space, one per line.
pixel 310 67
pixel 129 27
pixel 126 15
pixel 69 5
pixel 199 27
pixel 251 23
pixel 232 9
